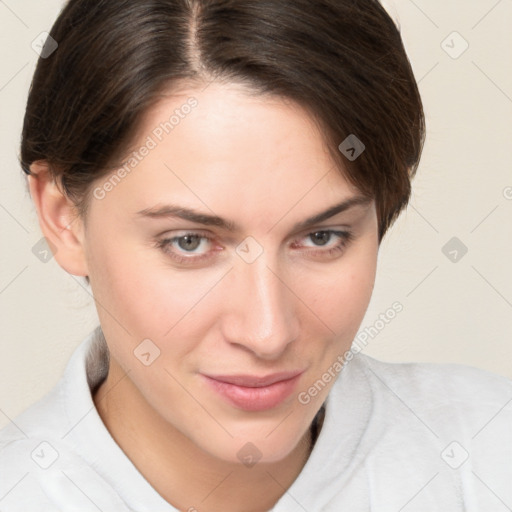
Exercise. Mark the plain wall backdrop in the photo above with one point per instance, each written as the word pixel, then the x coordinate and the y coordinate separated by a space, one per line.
pixel 457 305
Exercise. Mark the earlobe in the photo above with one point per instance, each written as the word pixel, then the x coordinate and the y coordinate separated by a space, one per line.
pixel 58 219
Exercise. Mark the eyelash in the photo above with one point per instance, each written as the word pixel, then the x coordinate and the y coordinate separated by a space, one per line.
pixel 345 237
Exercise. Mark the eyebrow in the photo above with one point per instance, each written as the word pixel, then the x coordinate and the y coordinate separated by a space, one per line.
pixel 228 225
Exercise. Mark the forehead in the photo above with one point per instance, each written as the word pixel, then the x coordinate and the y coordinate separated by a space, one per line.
pixel 224 149
pixel 223 117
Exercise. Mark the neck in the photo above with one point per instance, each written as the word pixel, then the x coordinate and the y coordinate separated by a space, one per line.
pixel 182 473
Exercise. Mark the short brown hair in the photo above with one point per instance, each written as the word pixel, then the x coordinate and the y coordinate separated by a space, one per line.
pixel 341 60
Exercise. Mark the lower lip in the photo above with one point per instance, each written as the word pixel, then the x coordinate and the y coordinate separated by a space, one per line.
pixel 254 399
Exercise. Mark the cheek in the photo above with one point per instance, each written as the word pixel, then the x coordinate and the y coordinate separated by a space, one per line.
pixel 340 293
pixel 138 297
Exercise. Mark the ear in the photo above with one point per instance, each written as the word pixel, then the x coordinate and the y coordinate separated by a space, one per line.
pixel 58 218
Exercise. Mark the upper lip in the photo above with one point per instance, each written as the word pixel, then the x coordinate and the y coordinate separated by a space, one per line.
pixel 254 381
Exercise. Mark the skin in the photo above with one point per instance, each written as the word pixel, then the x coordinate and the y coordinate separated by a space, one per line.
pixel 262 163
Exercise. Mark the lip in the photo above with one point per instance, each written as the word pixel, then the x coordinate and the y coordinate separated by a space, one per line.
pixel 254 393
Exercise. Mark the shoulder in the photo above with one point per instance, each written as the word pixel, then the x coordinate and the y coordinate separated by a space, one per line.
pixel 40 469
pixel 447 394
pixel 41 463
pixel 449 380
pixel 28 450
pixel 438 428
pixel 44 474
pixel 43 418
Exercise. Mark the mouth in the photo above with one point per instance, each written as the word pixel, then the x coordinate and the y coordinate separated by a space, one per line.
pixel 254 393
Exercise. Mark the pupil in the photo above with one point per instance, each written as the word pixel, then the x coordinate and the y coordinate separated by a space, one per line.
pixel 321 237
pixel 189 242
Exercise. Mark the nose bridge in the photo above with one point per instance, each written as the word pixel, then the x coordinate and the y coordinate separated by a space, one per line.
pixel 263 309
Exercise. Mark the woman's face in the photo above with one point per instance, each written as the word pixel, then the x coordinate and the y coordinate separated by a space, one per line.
pixel 210 275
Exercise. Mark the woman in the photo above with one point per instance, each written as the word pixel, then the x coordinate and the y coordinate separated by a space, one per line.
pixel 222 174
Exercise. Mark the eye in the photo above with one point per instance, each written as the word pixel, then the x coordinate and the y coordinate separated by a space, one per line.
pixel 188 247
pixel 327 242
pixel 189 242
pixel 321 237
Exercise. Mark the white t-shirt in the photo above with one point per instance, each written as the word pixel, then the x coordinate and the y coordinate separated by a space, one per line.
pixel 396 437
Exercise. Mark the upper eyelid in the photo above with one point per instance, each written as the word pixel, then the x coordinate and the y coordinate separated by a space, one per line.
pixel 336 229
pixel 343 234
pixel 207 234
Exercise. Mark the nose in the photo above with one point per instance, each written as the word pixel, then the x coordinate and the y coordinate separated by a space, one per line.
pixel 261 314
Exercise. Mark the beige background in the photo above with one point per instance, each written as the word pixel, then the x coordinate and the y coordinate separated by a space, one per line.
pixel 452 311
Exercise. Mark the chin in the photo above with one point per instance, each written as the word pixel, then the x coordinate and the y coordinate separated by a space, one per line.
pixel 257 448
